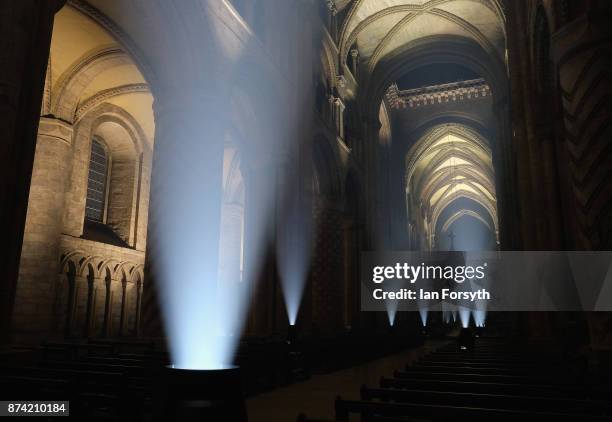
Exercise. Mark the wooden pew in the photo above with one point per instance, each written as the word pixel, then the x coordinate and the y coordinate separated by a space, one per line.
pixel 458 385
pixel 367 409
pixel 489 400
pixel 492 378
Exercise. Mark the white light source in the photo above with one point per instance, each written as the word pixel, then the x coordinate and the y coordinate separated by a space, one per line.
pixel 423 313
pixel 464 316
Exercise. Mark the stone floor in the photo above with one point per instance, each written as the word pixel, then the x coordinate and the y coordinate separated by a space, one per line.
pixel 315 396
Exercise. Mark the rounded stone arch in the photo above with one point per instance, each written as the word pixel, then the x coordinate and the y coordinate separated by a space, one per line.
pixel 347 38
pixel 68 90
pixel 438 49
pixel 72 258
pixel 90 266
pixel 129 160
pixel 455 118
pixel 120 36
pixel 137 273
pixel 110 113
pixel 112 266
pixel 327 169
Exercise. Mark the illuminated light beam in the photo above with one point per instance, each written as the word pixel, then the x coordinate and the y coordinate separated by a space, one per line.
pixel 480 317
pixel 423 314
pixel 464 316
pixel 203 314
pixel 293 258
pixel 293 243
pixel 391 306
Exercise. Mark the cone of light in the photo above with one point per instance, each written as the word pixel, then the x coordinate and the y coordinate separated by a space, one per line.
pixel 204 314
pixel 464 316
pixel 293 257
pixel 423 313
pixel 391 306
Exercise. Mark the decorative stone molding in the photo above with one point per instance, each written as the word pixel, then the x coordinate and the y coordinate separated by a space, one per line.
pixel 106 94
pixel 437 94
pixel 120 35
pixel 83 262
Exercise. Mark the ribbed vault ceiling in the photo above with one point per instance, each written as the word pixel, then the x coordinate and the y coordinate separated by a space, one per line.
pixel 448 163
pixel 381 27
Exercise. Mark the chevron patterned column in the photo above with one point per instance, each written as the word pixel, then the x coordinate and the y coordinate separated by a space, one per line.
pixel 583 52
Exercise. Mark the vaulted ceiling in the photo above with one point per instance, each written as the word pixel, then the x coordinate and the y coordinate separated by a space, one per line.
pixel 88 67
pixel 451 162
pixel 378 28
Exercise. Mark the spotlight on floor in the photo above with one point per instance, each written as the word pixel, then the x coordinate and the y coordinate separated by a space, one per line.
pixel 202 395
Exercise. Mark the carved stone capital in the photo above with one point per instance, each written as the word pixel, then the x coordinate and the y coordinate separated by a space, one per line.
pixel 331 5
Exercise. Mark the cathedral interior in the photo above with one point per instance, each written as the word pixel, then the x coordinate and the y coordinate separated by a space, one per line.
pixel 190 186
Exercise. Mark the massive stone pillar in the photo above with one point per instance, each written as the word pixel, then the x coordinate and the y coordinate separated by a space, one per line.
pixel 39 268
pixel 25 37
pixel 327 274
pixel 583 54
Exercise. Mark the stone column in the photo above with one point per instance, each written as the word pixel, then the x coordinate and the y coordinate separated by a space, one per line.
pixel 326 278
pixel 25 37
pixel 108 301
pixel 124 308
pixel 40 251
pixel 138 308
pixel 93 284
pixel 505 156
pixel 355 62
pixel 583 54
pixel 332 19
pixel 339 116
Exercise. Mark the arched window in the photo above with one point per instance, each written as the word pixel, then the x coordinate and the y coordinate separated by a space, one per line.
pixel 96 181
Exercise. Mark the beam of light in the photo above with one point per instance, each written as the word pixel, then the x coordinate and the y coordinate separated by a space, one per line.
pixel 480 313
pixel 479 317
pixel 203 313
pixel 464 316
pixel 391 306
pixel 293 255
pixel 423 314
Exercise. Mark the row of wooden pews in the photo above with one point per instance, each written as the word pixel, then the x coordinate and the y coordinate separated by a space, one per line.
pixel 495 381
pixel 102 380
pixel 118 380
